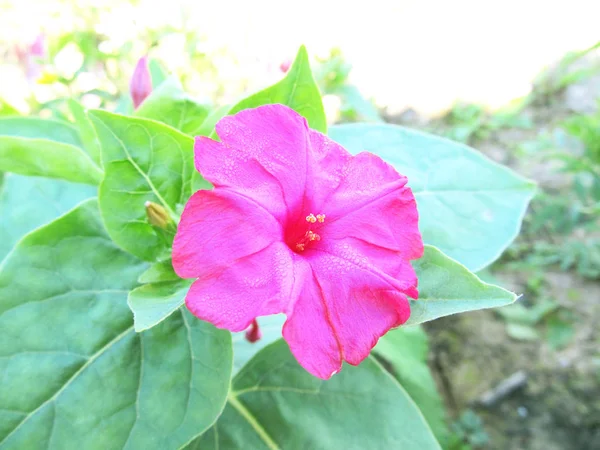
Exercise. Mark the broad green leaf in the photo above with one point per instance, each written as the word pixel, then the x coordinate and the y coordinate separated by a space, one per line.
pixel 171 105
pixel 144 161
pixel 87 133
pixel 36 128
pixel 159 272
pixel 297 90
pixel 44 147
pixel 447 287
pixel 243 351
pixel 405 350
pixel 469 207
pixel 46 158
pixel 75 373
pixel 28 202
pixel 274 403
pixel 153 303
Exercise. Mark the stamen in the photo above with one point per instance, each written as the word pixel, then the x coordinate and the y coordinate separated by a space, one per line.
pixel 313 236
pixel 309 236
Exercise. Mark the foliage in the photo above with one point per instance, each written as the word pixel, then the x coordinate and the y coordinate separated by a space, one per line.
pixel 471 123
pixel 561 229
pixel 332 75
pixel 89 302
pixel 566 72
pixel 468 432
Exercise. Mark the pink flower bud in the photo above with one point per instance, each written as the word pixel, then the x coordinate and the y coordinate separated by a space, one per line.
pixel 140 85
pixel 285 66
pixel 253 333
pixel 38 48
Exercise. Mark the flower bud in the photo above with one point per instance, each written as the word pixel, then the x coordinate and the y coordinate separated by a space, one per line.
pixel 158 216
pixel 140 85
pixel 38 47
pixel 253 333
pixel 285 66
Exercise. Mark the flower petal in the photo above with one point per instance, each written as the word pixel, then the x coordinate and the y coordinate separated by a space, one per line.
pixel 308 330
pixel 390 221
pixel 262 155
pixel 216 229
pixel 256 285
pixel 366 198
pixel 340 313
pixel 387 265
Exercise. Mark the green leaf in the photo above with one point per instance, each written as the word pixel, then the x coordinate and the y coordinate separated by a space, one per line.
pixel 159 272
pixel 6 109
pixel 297 90
pixel 558 333
pixel 405 349
pixel 75 374
pixel 522 332
pixel 274 403
pixel 49 148
pixel 171 105
pixel 87 133
pixel 447 287
pixel 144 161
pixel 35 128
pixel 153 303
pixel 42 157
pixel 518 313
pixel 470 207
pixel 28 202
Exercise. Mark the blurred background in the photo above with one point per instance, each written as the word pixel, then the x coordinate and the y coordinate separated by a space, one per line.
pixel 517 80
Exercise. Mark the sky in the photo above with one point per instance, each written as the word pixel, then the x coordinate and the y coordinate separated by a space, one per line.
pixel 424 54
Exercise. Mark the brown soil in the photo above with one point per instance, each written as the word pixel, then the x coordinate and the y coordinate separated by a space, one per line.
pixel 559 406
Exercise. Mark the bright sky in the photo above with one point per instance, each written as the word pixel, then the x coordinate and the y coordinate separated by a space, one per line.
pixel 420 53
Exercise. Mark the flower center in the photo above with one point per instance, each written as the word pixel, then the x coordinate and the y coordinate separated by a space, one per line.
pixel 299 244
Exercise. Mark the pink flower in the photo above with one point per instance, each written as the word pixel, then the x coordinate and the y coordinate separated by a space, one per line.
pixel 30 56
pixel 140 85
pixel 295 224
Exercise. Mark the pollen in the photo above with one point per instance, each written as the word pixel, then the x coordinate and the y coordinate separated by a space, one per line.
pixel 310 236
pixel 313 236
pixel 311 218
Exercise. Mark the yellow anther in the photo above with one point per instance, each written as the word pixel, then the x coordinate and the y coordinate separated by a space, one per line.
pixel 311 218
pixel 321 218
pixel 312 236
pixel 300 247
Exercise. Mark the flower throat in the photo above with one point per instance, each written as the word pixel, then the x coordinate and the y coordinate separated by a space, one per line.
pixel 310 235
